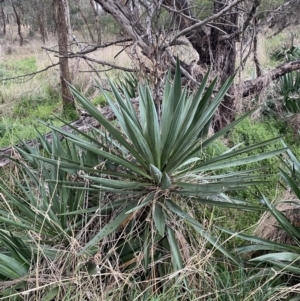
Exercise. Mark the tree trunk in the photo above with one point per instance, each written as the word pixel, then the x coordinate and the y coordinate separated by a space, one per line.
pixel 63 31
pixel 96 22
pixel 42 23
pixel 18 22
pixel 3 20
pixel 223 58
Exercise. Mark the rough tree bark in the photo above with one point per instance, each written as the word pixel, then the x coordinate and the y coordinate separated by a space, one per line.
pixel 62 29
pixel 215 41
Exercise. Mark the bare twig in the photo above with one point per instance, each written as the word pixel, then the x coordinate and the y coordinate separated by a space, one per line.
pixel 89 48
pixel 90 71
pixel 180 13
pixel 87 62
pixel 32 74
pixel 104 63
pixel 205 21
pixel 251 16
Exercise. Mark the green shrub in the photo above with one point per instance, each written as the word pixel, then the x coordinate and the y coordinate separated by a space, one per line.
pixel 253 131
pixel 100 100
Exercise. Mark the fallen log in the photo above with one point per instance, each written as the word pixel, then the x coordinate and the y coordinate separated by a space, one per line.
pixel 252 87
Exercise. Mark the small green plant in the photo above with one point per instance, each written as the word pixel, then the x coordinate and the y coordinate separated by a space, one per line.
pixel 247 133
pixel 3 129
pixel 287 53
pixel 289 88
pixel 128 83
pixel 100 100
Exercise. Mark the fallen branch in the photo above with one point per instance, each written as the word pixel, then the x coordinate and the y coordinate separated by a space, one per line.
pixel 255 86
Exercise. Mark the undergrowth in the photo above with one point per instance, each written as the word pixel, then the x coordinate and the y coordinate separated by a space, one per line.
pixel 212 277
pixel 248 132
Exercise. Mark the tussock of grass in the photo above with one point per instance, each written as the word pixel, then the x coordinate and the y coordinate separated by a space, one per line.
pixel 70 276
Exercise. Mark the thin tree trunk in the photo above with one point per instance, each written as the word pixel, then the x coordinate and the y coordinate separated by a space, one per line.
pixel 40 5
pixel 18 22
pixel 63 31
pixel 96 22
pixel 86 23
pixel 3 20
pixel 255 55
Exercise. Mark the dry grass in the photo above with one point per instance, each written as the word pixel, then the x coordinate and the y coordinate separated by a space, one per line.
pixel 268 228
pixel 12 91
pixel 69 274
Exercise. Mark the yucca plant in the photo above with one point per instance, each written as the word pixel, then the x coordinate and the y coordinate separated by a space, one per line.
pixel 283 257
pixel 128 83
pixel 37 213
pixel 45 203
pixel 287 53
pixel 154 160
pixel 139 179
pixel 15 260
pixel 289 88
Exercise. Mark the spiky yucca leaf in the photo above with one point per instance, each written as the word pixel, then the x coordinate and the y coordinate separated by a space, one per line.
pixel 279 255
